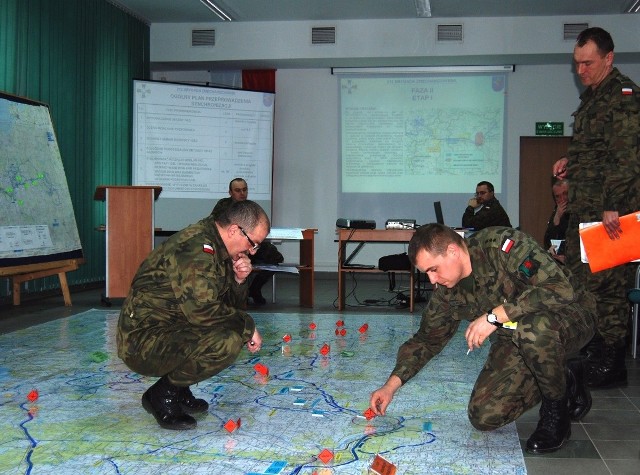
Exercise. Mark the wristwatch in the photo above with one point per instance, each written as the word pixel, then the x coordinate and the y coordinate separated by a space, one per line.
pixel 493 318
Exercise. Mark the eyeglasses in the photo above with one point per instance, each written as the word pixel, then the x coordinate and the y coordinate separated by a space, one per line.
pixel 481 193
pixel 254 246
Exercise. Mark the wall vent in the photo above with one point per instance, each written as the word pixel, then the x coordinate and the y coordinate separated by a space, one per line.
pixel 572 30
pixel 323 35
pixel 450 33
pixel 203 37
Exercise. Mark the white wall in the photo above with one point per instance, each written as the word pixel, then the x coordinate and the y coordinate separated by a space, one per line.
pixel 306 116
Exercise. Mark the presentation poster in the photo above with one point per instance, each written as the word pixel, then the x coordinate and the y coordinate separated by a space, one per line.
pixel 192 140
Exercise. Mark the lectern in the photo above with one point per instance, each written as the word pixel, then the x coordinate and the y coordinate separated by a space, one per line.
pixel 129 228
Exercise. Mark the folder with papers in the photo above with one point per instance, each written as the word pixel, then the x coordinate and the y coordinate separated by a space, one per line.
pixel 601 252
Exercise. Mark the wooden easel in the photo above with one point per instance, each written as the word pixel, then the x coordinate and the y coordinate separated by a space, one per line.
pixel 23 273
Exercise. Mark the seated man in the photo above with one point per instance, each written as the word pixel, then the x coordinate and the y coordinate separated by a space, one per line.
pixel 182 320
pixel 267 254
pixel 502 276
pixel 484 209
pixel 559 220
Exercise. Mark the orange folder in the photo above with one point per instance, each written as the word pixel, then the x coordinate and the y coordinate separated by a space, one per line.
pixel 603 252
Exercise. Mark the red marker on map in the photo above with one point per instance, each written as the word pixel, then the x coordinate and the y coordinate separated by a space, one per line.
pixel 262 369
pixel 340 323
pixel 326 455
pixel 33 395
pixel 232 425
pixel 364 328
pixel 313 326
pixel 325 349
pixel 286 338
pixel 369 414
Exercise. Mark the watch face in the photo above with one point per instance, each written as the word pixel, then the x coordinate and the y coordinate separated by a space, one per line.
pixel 492 318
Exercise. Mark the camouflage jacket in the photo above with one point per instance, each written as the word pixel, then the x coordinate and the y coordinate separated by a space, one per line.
pixel 188 280
pixel 491 214
pixel 604 153
pixel 508 268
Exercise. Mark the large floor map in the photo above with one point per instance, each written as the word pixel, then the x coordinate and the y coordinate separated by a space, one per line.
pixel 87 417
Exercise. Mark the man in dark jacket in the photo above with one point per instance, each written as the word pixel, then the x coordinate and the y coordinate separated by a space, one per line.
pixel 267 254
pixel 484 209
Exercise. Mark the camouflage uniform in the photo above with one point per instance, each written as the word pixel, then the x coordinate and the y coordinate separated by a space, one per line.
pixel 491 214
pixel 523 364
pixel 604 170
pixel 182 316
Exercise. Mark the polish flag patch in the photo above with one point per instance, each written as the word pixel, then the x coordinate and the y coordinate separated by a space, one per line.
pixel 208 248
pixel 507 245
pixel 627 91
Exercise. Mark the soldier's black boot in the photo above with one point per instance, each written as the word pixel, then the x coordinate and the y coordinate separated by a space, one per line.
pixel 592 351
pixel 611 370
pixel 553 429
pixel 161 400
pixel 189 403
pixel 578 394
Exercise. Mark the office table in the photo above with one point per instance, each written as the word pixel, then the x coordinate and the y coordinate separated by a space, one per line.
pixel 306 262
pixel 361 237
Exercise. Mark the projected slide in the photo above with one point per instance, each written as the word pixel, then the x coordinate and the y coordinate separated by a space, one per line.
pixel 193 140
pixel 415 134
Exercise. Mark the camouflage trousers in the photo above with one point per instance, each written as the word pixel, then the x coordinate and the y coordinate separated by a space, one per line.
pixel 186 355
pixel 526 364
pixel 608 287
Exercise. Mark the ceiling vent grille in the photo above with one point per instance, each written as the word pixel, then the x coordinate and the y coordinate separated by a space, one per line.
pixel 324 35
pixel 450 33
pixel 203 37
pixel 572 30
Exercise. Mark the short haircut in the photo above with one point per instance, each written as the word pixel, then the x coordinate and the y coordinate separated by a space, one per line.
pixel 433 238
pixel 236 179
pixel 600 37
pixel 488 184
pixel 247 214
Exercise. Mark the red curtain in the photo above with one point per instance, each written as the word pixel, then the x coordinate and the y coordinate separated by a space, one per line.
pixel 263 80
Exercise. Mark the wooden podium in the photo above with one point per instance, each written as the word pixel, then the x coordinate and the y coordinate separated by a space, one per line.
pixel 129 228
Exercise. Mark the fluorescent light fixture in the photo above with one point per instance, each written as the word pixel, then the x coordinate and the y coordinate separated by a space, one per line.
pixel 508 68
pixel 423 8
pixel 216 9
pixel 634 7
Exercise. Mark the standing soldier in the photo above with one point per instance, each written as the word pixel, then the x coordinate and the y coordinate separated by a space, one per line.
pixel 509 287
pixel 603 164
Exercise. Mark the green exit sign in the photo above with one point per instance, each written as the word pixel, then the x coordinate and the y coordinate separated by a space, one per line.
pixel 549 128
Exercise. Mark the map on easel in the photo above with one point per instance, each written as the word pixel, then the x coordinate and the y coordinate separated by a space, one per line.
pixel 38 226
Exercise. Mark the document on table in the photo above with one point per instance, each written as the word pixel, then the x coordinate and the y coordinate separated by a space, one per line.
pixel 286 233
pixel 277 268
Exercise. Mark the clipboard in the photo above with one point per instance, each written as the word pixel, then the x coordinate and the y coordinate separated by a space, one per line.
pixel 603 253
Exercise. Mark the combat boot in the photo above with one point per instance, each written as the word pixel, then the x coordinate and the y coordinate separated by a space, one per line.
pixel 162 401
pixel 553 429
pixel 611 370
pixel 189 403
pixel 592 351
pixel 578 394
